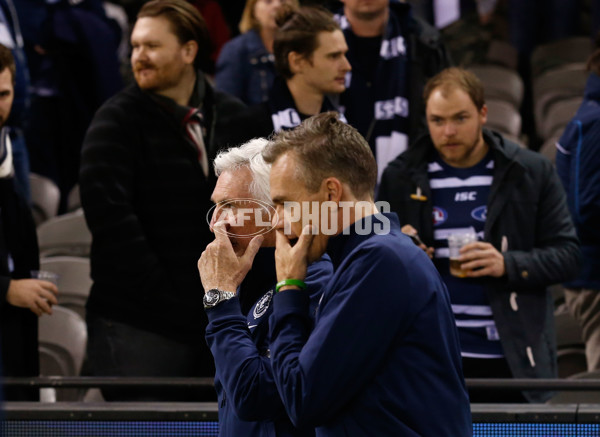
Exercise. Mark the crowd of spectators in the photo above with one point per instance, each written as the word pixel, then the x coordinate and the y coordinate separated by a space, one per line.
pixel 132 105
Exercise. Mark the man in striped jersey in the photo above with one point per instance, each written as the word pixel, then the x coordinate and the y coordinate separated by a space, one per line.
pixel 464 178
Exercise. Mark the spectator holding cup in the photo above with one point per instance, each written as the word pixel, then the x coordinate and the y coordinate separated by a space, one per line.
pixel 22 299
pixel 463 179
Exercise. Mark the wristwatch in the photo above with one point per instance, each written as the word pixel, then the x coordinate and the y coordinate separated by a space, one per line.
pixel 214 296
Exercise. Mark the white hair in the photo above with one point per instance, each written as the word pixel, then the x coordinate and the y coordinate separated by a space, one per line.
pixel 248 155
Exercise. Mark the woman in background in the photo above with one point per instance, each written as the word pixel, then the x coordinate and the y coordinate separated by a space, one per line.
pixel 245 67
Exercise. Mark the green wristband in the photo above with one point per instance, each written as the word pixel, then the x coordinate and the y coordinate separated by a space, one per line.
pixel 296 282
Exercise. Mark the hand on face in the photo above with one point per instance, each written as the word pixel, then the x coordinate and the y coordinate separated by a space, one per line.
pixel 220 267
pixel 292 262
pixel 35 294
pixel 482 259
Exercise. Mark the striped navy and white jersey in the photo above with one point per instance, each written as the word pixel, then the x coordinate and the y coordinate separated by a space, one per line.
pixel 460 203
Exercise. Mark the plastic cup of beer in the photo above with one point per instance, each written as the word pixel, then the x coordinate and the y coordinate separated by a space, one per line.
pixel 45 275
pixel 455 242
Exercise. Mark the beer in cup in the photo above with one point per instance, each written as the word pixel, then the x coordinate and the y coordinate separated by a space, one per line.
pixel 455 242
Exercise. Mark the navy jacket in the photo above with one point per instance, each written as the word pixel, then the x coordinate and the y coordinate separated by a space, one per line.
pixel 383 358
pixel 578 165
pixel 249 404
pixel 528 221
pixel 245 69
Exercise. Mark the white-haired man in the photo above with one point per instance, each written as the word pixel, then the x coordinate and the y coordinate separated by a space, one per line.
pixel 237 269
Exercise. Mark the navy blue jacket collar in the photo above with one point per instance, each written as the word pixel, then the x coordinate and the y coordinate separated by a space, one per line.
pixel 340 246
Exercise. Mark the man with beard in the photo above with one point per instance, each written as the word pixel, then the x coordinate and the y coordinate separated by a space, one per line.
pixel 145 187
pixel 462 178
pixel 392 54
pixel 22 300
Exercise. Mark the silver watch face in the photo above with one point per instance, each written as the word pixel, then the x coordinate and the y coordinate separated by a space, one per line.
pixel 211 297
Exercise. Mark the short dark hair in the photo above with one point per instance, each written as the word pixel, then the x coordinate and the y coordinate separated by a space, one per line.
pixel 8 61
pixel 298 31
pixel 453 78
pixel 186 23
pixel 593 61
pixel 324 146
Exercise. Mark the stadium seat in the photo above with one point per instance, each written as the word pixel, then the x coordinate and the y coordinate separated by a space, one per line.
pixel 503 117
pixel 66 234
pixel 45 198
pixel 557 53
pixel 62 343
pixel 556 86
pixel 500 83
pixel 558 116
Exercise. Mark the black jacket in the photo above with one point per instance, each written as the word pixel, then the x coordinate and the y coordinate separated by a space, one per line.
pixel 145 200
pixel 18 326
pixel 429 57
pixel 527 220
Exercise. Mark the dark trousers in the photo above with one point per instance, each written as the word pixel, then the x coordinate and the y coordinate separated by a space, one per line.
pixel 118 349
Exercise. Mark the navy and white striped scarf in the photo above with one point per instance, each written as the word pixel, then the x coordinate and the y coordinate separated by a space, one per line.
pixel 379 110
pixel 6 159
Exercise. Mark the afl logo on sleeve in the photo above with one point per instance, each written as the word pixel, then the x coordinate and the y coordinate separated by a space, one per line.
pixel 479 213
pixel 262 305
pixel 439 215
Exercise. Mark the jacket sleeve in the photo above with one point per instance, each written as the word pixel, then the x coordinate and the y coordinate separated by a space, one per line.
pixel 4 284
pixel 317 373
pixel 555 257
pixel 229 76
pixel 429 57
pixel 246 375
pixel 584 171
pixel 107 173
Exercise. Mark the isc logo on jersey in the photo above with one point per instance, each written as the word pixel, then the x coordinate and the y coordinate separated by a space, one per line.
pixel 439 215
pixel 479 213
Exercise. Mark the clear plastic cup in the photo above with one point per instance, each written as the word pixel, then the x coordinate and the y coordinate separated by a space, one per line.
pixel 45 276
pixel 455 242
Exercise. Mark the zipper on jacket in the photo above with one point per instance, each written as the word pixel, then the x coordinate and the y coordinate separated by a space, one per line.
pixel 504 244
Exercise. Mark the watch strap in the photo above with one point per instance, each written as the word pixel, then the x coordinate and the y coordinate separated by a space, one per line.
pixel 222 296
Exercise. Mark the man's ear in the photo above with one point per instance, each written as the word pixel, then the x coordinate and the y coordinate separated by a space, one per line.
pixel 332 188
pixel 296 62
pixel 189 51
pixel 483 114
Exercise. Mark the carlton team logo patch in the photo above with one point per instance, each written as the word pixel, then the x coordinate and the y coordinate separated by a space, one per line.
pixel 480 213
pixel 439 215
pixel 262 305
